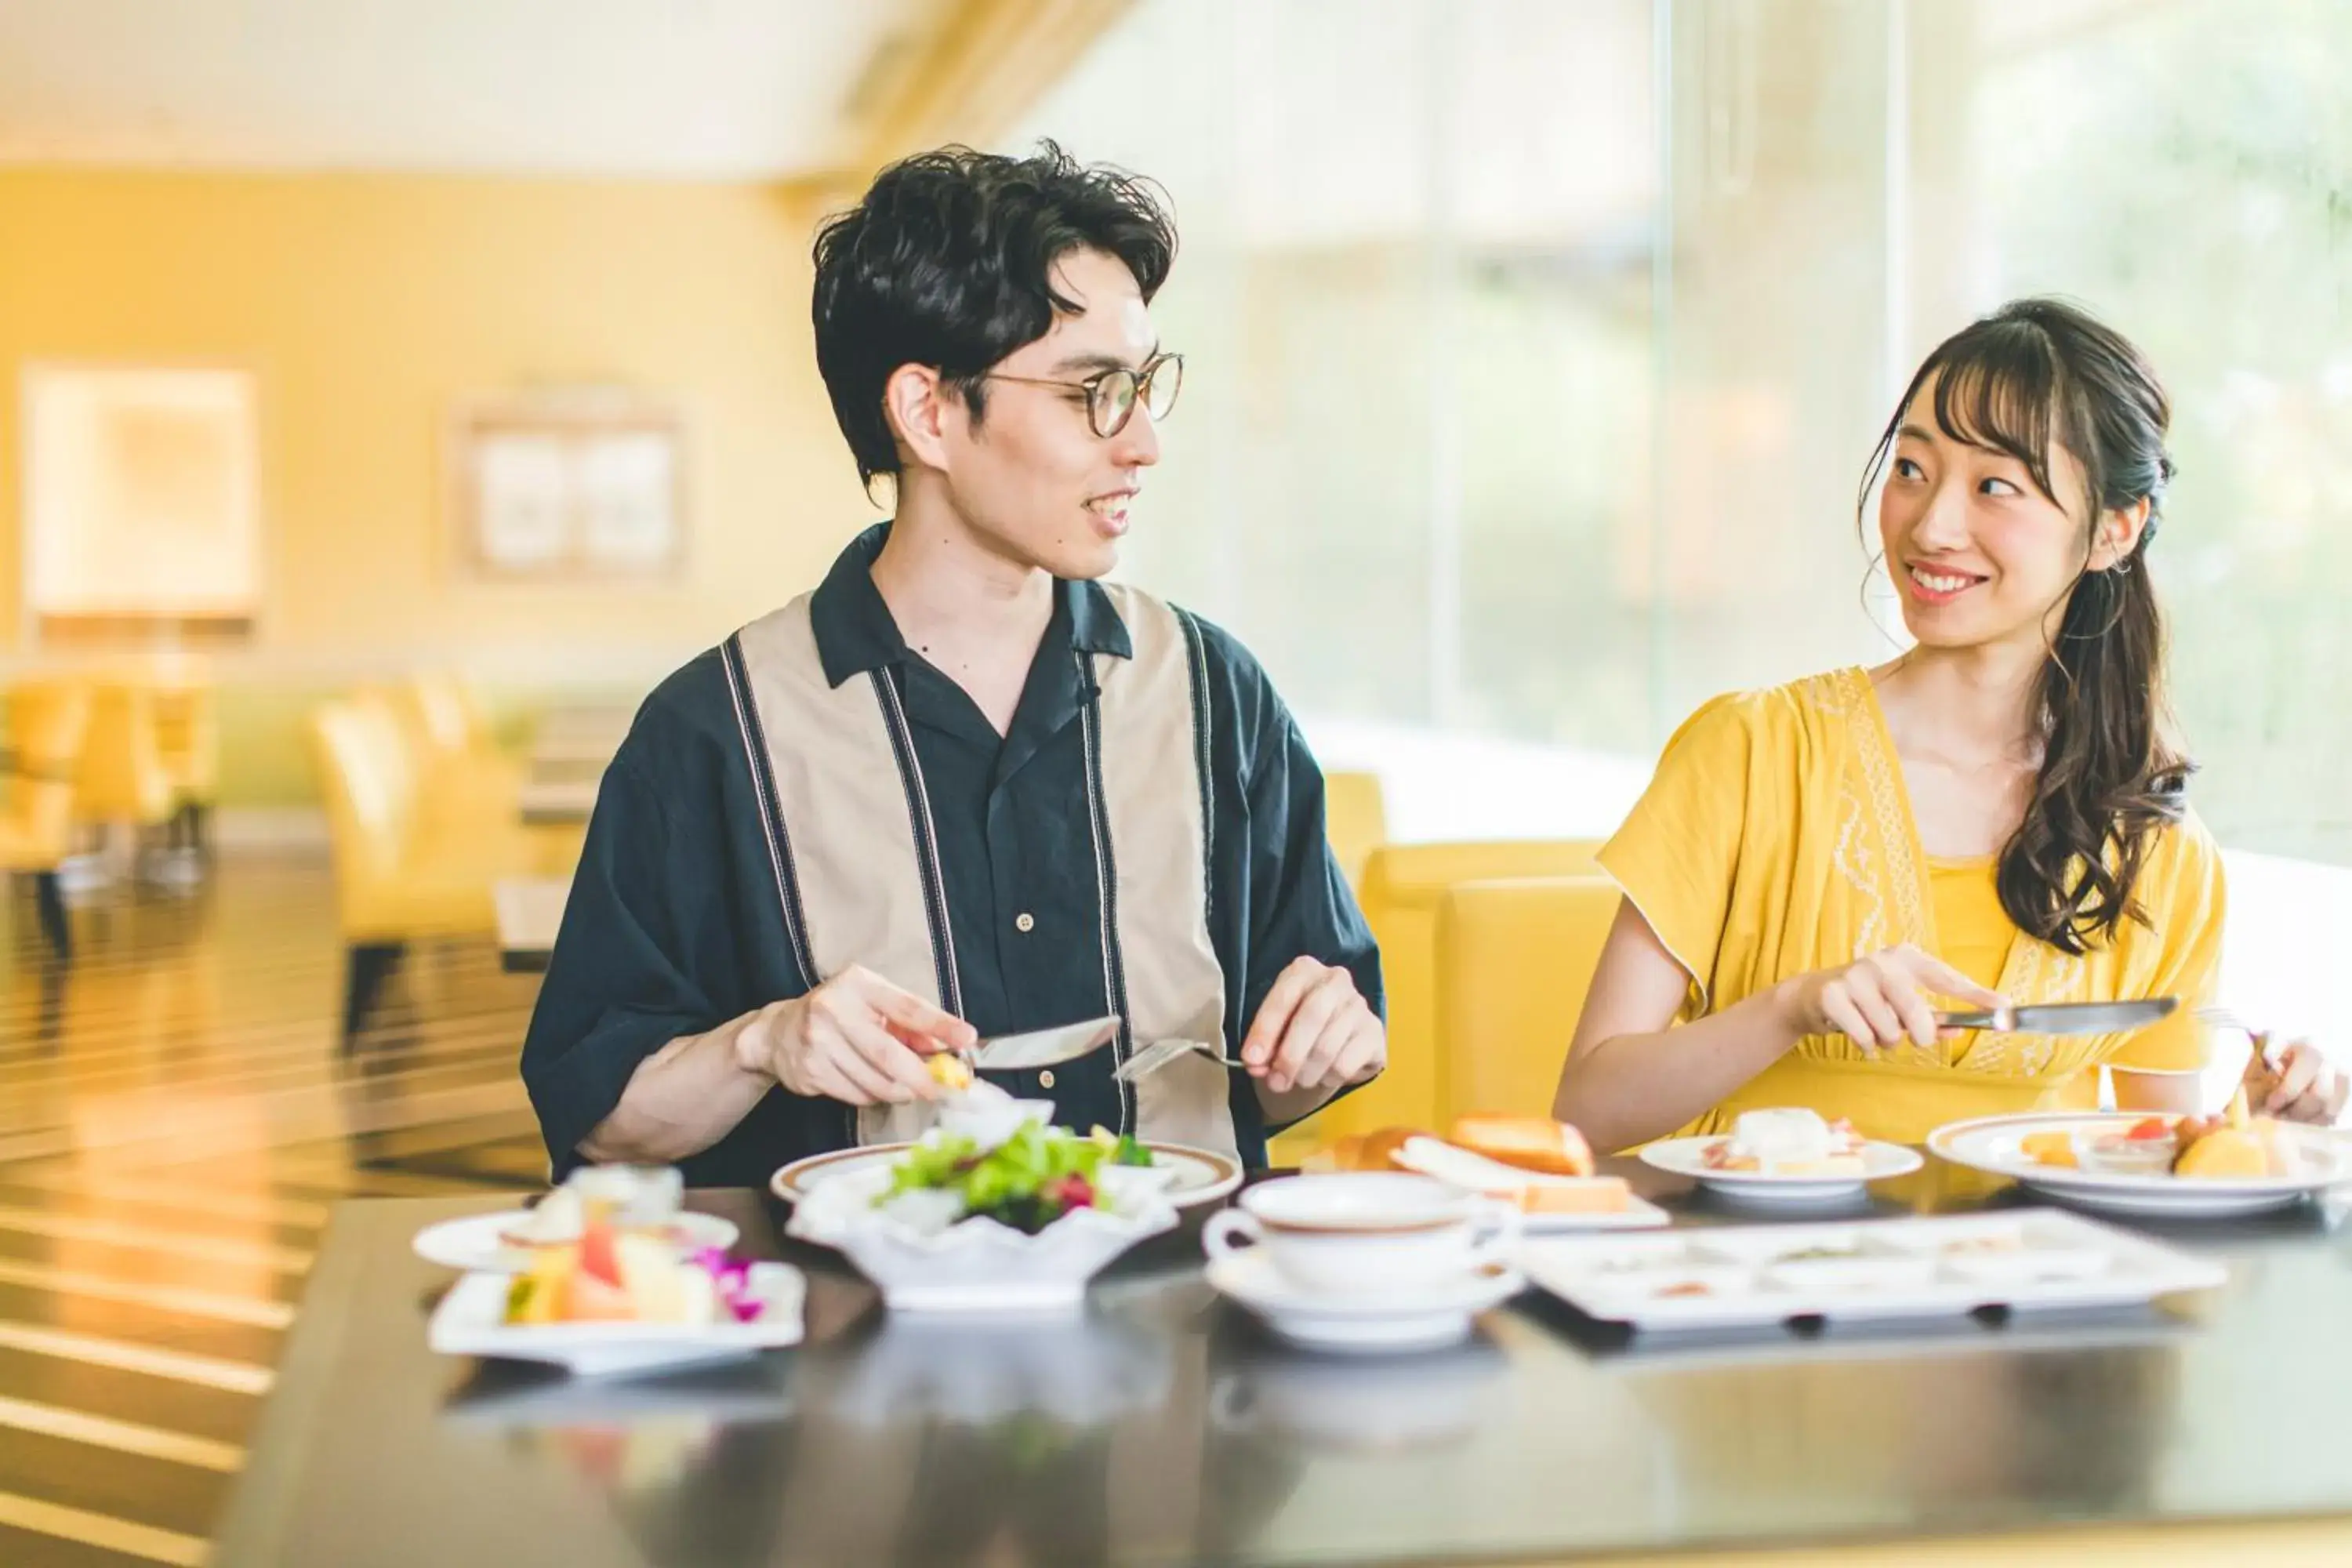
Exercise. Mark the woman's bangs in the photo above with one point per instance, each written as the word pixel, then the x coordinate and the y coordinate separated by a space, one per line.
pixel 1999 392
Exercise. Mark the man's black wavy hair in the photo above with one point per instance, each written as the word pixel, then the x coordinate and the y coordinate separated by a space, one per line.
pixel 946 262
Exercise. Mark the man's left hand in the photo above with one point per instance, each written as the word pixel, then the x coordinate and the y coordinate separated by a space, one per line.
pixel 1315 1031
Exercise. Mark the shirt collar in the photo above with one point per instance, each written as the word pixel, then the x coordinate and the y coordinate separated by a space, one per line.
pixel 856 636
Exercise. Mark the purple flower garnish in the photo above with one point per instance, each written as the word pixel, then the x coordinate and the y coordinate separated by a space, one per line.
pixel 733 1276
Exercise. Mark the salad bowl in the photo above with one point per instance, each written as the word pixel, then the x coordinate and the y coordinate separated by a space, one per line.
pixel 949 1225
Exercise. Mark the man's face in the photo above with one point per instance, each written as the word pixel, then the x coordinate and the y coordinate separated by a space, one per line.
pixel 1031 477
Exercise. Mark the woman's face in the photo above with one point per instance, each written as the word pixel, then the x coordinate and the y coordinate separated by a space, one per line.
pixel 1978 553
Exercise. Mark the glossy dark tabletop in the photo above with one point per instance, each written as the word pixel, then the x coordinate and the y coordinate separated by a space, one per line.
pixel 1163 1426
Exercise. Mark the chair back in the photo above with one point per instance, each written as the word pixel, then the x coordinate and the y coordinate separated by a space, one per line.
pixel 366 782
pixel 120 776
pixel 1403 886
pixel 47 723
pixel 188 740
pixel 1514 961
pixel 443 715
pixel 1356 819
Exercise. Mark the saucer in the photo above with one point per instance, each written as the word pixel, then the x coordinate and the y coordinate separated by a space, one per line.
pixel 1425 1317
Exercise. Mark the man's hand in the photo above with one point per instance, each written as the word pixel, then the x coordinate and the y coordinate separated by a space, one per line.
pixel 1314 1031
pixel 857 1038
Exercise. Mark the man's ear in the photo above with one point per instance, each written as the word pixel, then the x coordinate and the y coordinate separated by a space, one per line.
pixel 921 412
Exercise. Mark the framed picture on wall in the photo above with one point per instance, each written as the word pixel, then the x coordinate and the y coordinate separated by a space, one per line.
pixel 569 486
pixel 143 503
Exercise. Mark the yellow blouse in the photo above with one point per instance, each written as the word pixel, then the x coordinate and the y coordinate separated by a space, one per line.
pixel 1975 930
pixel 1777 839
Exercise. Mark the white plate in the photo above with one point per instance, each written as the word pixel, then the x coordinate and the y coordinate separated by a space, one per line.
pixel 1424 1318
pixel 1687 1157
pixel 470 1320
pixel 1749 1283
pixel 1996 1144
pixel 474 1244
pixel 1201 1175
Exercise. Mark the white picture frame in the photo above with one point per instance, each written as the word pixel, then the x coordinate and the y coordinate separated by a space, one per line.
pixel 143 508
pixel 583 486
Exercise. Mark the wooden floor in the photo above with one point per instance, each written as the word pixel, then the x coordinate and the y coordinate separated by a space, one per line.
pixel 176 1125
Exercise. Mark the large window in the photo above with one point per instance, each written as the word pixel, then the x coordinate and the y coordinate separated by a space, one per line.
pixel 2187 168
pixel 1537 348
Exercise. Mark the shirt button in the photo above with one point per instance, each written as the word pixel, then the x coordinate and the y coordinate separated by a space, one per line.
pixel 1046 1078
pixel 1024 923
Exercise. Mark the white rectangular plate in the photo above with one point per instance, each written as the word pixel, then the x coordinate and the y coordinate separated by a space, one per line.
pixel 1639 1214
pixel 470 1320
pixel 1922 1267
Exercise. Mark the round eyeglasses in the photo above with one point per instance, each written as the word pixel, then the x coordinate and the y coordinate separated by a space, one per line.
pixel 1113 395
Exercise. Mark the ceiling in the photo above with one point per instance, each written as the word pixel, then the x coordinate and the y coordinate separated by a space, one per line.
pixel 680 88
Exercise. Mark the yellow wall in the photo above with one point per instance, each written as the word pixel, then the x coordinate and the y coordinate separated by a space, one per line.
pixel 366 306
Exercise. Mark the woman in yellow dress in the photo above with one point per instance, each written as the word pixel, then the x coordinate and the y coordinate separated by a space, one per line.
pixel 1997 817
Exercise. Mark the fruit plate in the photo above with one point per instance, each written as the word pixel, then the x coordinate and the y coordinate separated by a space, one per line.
pixel 1996 1144
pixel 471 1320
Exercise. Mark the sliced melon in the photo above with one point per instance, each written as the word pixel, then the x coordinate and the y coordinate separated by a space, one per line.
pixel 2051 1148
pixel 2234 1154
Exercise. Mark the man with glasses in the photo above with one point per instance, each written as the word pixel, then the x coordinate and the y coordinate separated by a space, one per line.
pixel 965 788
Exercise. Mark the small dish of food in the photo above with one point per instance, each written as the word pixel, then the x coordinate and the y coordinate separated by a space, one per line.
pixel 989 1211
pixel 1789 1154
pixel 615 1300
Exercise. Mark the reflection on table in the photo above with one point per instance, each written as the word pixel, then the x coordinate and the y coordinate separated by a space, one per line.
pixel 1162 1425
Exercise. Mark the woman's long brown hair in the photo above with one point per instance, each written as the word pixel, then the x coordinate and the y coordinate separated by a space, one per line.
pixel 2035 372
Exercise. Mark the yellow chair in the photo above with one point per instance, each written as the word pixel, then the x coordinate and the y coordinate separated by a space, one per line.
pixel 1403 885
pixel 460 769
pixel 121 780
pixel 1515 960
pixel 402 874
pixel 187 742
pixel 464 772
pixel 444 717
pixel 1356 820
pixel 47 723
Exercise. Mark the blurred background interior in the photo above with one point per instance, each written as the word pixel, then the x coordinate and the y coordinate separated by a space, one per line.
pixel 391 393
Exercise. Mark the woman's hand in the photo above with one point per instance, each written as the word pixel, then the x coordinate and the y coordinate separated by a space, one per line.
pixel 1879 1002
pixel 2301 1085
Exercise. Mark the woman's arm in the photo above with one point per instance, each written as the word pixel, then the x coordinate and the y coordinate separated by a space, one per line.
pixel 1630 1075
pixel 2172 1093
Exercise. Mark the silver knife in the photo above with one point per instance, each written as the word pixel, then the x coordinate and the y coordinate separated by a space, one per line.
pixel 2064 1017
pixel 1044 1047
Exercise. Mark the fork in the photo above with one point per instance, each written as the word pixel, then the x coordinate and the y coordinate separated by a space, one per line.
pixel 1160 1053
pixel 2223 1018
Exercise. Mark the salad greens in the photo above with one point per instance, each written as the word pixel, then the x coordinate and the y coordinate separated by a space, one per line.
pixel 1028 1181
